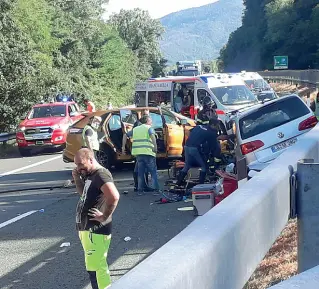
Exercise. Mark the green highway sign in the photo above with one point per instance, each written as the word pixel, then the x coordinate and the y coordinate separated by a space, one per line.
pixel 280 62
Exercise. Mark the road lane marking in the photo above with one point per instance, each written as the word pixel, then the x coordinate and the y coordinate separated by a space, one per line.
pixel 16 219
pixel 29 166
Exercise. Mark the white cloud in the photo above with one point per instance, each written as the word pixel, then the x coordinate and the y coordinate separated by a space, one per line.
pixel 157 9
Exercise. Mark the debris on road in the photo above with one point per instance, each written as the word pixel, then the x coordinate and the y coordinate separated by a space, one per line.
pixel 41 211
pixel 67 244
pixel 125 192
pixel 127 239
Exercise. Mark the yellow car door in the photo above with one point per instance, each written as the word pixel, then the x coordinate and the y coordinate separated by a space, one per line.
pixel 174 135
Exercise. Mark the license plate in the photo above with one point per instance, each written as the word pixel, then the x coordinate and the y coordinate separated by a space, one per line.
pixel 283 145
pixel 39 142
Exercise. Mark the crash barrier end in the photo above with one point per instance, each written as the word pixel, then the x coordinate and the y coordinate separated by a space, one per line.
pixel 222 249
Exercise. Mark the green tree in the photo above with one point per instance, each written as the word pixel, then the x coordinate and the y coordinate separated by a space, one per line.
pixel 274 27
pixel 159 67
pixel 142 34
pixel 18 76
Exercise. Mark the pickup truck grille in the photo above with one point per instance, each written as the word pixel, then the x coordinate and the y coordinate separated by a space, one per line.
pixel 38 133
pixel 31 131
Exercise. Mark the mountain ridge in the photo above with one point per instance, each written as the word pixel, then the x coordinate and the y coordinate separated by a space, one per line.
pixel 200 32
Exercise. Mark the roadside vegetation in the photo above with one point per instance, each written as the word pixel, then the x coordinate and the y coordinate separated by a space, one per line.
pixel 274 27
pixel 53 46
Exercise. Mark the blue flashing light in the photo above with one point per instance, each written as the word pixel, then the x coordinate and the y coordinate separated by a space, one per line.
pixel 204 78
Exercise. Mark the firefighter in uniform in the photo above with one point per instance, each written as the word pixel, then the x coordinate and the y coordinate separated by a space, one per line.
pixel 90 137
pixel 202 137
pixel 207 112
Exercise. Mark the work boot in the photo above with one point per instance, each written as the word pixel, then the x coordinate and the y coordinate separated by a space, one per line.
pixel 202 177
pixel 181 178
pixel 135 177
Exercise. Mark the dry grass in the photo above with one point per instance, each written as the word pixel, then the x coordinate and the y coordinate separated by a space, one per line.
pixel 281 261
pixel 301 89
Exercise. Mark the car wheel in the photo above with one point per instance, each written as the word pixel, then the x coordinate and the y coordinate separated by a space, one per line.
pixel 25 152
pixel 103 158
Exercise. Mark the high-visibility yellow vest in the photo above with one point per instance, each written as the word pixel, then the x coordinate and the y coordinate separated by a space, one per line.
pixel 94 139
pixel 142 143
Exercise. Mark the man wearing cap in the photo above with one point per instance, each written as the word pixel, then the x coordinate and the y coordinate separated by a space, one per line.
pixel 90 137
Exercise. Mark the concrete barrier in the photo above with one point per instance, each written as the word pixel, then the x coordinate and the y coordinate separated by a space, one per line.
pixel 221 249
pixel 306 280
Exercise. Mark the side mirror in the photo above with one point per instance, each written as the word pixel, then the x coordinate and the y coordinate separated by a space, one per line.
pixel 183 121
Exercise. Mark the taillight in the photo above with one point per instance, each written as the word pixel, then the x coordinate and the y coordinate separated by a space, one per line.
pixel 308 123
pixel 249 147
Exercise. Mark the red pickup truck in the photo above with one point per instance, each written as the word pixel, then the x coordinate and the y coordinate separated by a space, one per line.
pixel 46 125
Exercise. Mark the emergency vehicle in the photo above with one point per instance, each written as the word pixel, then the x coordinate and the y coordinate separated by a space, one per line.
pixel 46 126
pixel 254 81
pixel 228 93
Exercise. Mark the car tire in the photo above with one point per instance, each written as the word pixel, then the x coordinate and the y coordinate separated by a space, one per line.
pixel 104 157
pixel 25 152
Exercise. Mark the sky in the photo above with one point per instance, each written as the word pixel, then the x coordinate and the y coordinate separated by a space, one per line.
pixel 157 9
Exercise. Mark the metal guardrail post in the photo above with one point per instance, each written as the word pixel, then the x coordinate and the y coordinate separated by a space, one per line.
pixel 308 214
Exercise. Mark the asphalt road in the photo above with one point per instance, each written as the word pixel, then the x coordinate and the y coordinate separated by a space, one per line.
pixel 30 252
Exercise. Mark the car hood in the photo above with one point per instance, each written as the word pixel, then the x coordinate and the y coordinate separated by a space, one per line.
pixel 47 121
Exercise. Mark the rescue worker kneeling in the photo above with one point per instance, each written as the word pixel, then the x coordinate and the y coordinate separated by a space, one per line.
pixel 202 135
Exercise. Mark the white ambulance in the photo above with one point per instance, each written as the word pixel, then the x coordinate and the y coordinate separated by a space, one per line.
pixel 185 95
pixel 254 81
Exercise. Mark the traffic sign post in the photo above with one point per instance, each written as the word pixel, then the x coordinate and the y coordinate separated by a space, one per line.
pixel 280 62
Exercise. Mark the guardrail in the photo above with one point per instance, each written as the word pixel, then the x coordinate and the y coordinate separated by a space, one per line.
pixel 222 249
pixel 294 76
pixel 5 137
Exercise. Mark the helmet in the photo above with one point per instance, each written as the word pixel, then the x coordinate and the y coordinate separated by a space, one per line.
pixel 207 102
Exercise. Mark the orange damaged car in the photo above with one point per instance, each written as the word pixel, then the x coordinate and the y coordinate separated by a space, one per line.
pixel 172 130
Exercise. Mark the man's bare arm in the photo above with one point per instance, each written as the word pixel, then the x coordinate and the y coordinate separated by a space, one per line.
pixel 79 184
pixel 111 197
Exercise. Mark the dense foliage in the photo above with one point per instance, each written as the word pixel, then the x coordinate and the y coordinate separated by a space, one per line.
pixel 49 47
pixel 275 27
pixel 200 33
pixel 142 35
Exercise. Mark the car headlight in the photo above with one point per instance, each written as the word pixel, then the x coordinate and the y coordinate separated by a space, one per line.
pixel 21 129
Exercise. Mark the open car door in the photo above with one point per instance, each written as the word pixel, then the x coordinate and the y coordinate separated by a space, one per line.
pixel 128 118
pixel 174 135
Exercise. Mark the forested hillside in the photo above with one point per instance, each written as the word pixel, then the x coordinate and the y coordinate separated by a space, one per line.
pixel 199 33
pixel 56 46
pixel 275 27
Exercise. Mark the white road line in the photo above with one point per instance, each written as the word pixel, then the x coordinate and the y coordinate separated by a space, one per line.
pixel 29 166
pixel 16 219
